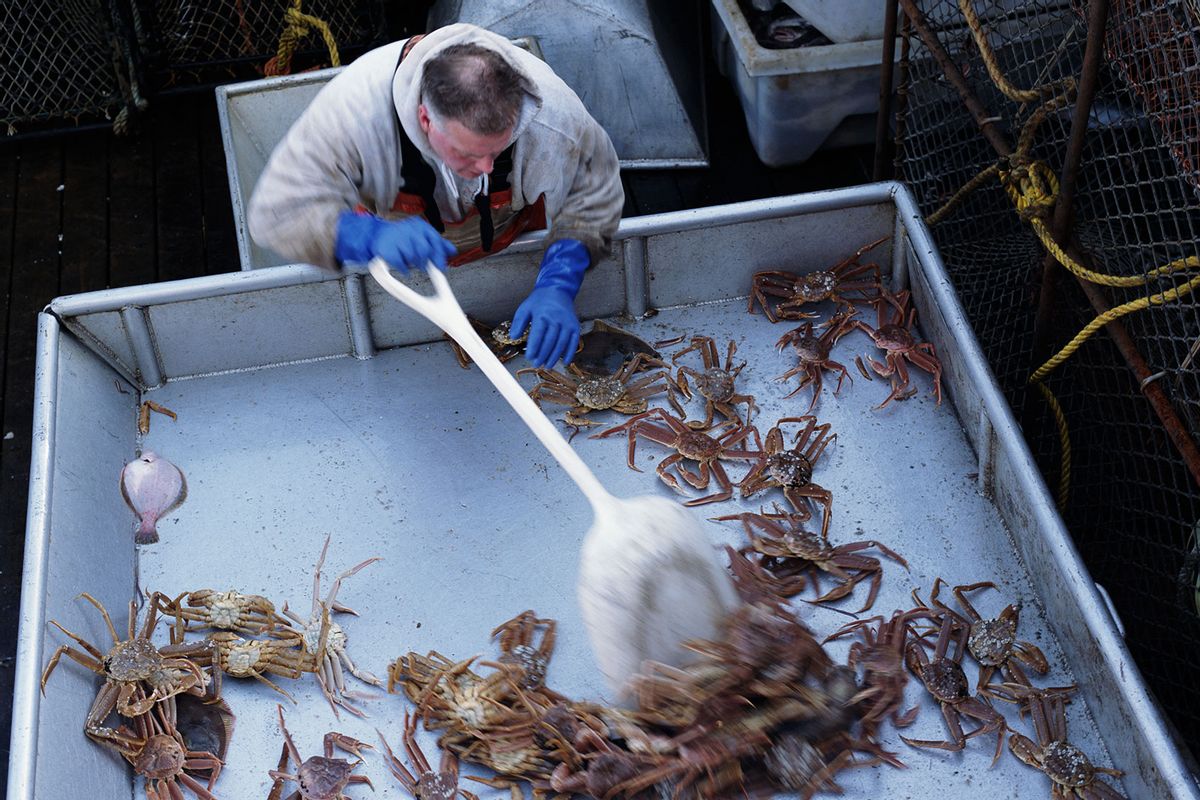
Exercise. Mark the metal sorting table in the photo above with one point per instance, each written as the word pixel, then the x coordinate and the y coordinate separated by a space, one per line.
pixel 310 405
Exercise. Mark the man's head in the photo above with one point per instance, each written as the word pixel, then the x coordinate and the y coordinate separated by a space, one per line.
pixel 470 100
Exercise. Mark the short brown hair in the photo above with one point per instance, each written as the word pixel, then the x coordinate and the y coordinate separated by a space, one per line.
pixel 474 86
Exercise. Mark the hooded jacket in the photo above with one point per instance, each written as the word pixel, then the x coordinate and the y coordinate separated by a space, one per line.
pixel 344 151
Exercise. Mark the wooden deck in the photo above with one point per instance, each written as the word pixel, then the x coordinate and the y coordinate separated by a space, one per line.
pixel 87 210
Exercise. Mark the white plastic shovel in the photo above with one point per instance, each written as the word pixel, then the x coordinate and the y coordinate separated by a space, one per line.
pixel 649 578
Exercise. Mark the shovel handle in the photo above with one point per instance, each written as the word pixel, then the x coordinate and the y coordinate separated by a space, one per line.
pixel 442 309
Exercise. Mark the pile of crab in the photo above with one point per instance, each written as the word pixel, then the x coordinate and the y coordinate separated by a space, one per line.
pixel 160 707
pixel 762 710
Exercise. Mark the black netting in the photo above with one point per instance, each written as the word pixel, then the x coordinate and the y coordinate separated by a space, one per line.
pixel 1133 504
pixel 61 60
pixel 64 62
pixel 188 42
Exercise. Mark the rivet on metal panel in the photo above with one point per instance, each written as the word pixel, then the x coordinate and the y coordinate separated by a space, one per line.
pixel 358 315
pixel 141 341
pixel 633 254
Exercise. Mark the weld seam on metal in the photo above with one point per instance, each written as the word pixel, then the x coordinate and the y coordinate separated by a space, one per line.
pixel 358 315
pixel 985 447
pixel 900 253
pixel 137 326
pixel 1111 608
pixel 751 210
pixel 22 762
pixel 633 253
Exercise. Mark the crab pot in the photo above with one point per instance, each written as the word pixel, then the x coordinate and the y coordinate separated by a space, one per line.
pixel 313 405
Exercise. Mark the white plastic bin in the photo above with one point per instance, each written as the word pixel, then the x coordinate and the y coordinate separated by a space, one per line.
pixel 799 99
pixel 843 20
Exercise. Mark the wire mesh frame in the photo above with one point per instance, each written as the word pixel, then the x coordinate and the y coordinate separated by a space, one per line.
pixel 1133 508
pixel 64 61
pixel 193 43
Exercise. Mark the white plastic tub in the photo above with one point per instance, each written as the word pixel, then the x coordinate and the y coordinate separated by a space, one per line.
pixel 799 99
pixel 843 20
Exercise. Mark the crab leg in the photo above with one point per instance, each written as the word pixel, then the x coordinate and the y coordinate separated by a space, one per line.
pixel 361 674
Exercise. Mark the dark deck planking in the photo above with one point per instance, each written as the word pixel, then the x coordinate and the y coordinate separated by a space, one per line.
pixel 155 206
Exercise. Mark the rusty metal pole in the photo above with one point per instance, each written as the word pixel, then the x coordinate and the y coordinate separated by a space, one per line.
pixel 985 121
pixel 886 76
pixel 901 108
pixel 1159 402
pixel 1093 57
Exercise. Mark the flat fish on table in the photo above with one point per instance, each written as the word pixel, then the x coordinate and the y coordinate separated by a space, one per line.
pixel 151 486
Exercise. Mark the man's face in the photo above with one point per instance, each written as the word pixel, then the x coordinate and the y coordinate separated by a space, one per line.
pixel 468 153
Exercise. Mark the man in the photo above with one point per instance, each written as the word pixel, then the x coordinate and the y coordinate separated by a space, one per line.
pixel 444 148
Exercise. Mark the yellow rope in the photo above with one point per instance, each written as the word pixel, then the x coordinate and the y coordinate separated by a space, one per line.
pixel 1033 189
pixel 993 66
pixel 968 187
pixel 1119 311
pixel 1064 443
pixel 298 26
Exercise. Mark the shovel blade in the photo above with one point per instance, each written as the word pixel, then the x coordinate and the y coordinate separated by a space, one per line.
pixel 649 580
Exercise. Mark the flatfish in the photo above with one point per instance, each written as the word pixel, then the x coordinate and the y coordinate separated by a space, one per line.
pixel 151 486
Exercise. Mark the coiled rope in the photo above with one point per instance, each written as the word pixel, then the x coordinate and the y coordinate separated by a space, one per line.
pixel 298 25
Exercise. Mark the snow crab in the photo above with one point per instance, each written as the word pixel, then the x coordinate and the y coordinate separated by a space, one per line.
pixel 791 469
pixel 697 445
pixel 793 556
pixel 839 283
pixel 893 335
pixel 1071 773
pixel 716 384
pixel 450 695
pixel 626 392
pixel 157 752
pixel 993 642
pixel 881 655
pixel 137 675
pixel 319 777
pixel 256 658
pixel 516 646
pixel 422 781
pixel 813 353
pixel 496 337
pixel 944 679
pixel 324 641
pixel 248 614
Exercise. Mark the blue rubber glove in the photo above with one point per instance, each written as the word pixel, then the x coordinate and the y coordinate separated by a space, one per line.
pixel 403 243
pixel 549 311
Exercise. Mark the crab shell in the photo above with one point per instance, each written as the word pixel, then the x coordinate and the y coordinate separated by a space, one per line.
pixel 324 778
pixel 991 640
pixel 894 338
pixel 815 287
pixel 790 469
pixel 162 757
pixel 500 334
pixel 1066 764
pixel 599 393
pixel 945 680
pixel 715 384
pixel 136 659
